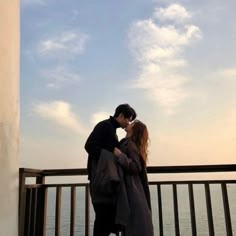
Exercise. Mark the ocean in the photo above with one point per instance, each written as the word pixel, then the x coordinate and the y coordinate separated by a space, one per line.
pixel 167 204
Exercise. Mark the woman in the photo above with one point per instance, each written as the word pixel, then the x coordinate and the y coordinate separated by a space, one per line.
pixel 134 145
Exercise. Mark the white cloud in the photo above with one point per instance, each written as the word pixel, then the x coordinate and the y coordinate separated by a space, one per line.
pixel 149 40
pixel 174 12
pixel 64 44
pixel 99 116
pixel 158 50
pixel 59 112
pixel 59 77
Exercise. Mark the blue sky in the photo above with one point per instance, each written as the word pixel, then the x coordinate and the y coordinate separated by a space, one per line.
pixel 173 61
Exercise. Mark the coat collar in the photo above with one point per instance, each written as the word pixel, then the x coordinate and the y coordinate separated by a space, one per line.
pixel 114 122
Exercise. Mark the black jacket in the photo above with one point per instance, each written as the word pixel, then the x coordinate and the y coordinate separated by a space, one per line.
pixel 107 186
pixel 103 136
pixel 105 179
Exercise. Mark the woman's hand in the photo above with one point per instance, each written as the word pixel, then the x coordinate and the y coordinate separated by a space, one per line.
pixel 117 152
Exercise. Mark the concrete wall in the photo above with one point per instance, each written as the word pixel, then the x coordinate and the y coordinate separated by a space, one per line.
pixel 9 116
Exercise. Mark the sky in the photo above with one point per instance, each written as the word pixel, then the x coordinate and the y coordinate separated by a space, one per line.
pixel 174 62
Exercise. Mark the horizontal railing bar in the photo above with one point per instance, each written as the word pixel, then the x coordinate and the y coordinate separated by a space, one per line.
pixel 28 186
pixel 31 172
pixel 65 172
pixel 190 169
pixel 55 185
pixel 53 172
pixel 67 185
pixel 150 169
pixel 192 182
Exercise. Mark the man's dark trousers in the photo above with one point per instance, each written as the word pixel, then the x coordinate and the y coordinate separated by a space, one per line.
pixel 104 219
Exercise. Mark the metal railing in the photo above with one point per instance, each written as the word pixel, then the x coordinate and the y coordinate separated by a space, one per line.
pixel 33 198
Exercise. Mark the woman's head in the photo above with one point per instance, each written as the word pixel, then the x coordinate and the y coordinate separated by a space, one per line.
pixel 138 133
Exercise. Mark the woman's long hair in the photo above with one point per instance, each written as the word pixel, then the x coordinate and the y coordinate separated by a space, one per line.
pixel 140 138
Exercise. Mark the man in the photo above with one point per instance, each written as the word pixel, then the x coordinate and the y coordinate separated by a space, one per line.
pixel 104 136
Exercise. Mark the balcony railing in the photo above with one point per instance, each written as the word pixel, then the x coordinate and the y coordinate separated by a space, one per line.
pixel 33 199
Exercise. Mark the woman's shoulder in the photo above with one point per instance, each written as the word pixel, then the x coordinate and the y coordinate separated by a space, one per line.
pixel 126 142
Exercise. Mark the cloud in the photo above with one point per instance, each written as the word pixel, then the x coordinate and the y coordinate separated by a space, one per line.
pixel 158 50
pixel 59 77
pixel 59 112
pixel 99 116
pixel 64 44
pixel 174 12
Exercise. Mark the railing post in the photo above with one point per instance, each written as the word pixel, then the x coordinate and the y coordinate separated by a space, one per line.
pixel 33 221
pixel 192 210
pixel 176 212
pixel 226 210
pixel 87 210
pixel 160 210
pixel 58 212
pixel 41 207
pixel 72 210
pixel 209 210
pixel 28 211
pixel 22 196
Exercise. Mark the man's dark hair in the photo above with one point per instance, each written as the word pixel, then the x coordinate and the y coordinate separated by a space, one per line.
pixel 126 110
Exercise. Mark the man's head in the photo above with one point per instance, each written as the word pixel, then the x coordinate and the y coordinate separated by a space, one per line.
pixel 124 114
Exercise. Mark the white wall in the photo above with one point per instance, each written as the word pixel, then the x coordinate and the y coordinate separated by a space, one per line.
pixel 9 116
